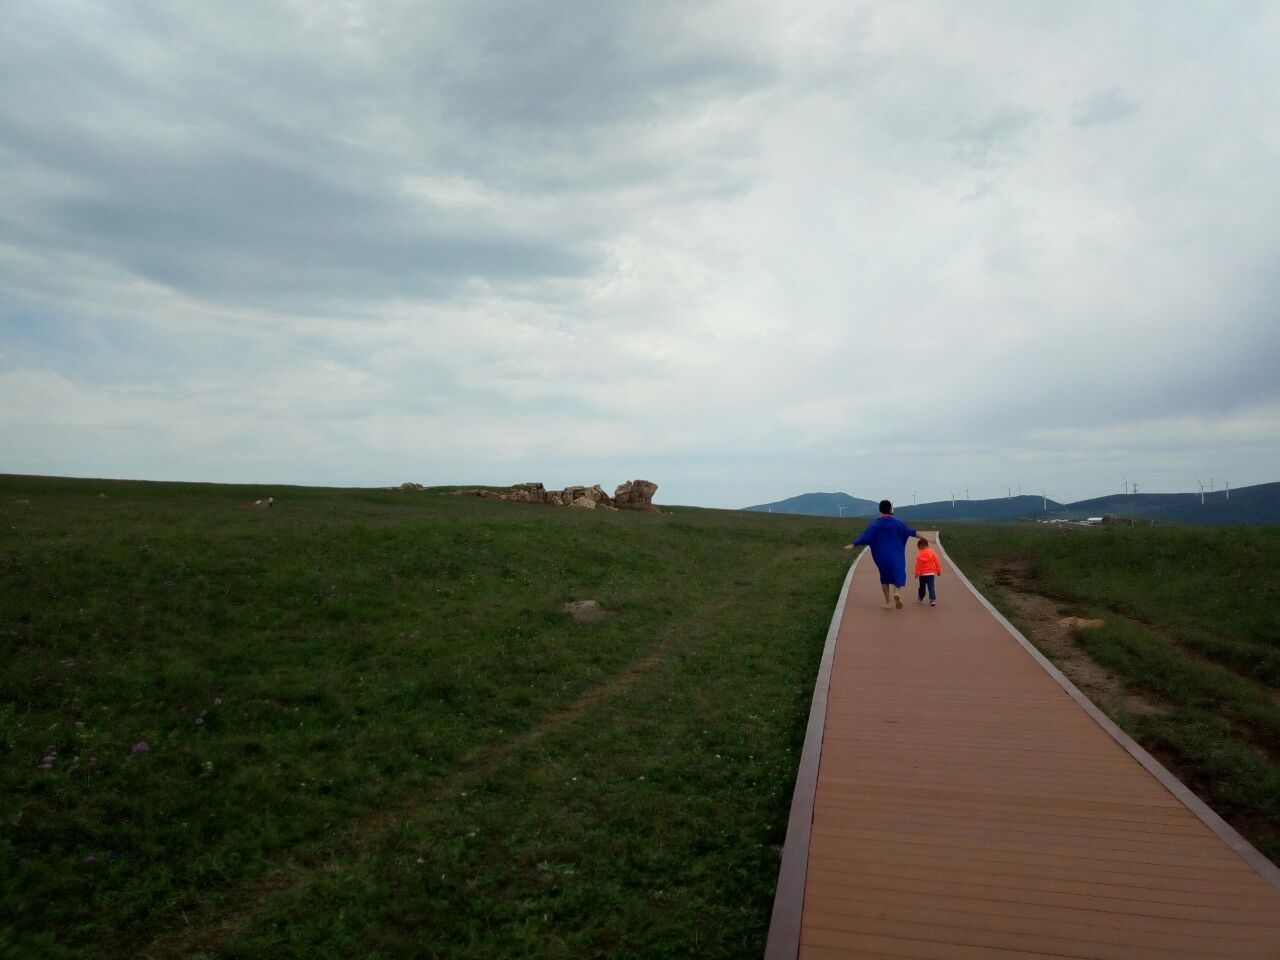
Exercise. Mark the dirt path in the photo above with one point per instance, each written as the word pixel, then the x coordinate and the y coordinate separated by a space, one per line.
pixel 474 768
pixel 1050 628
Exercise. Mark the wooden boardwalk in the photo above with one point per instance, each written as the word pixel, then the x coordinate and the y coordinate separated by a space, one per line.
pixel 958 799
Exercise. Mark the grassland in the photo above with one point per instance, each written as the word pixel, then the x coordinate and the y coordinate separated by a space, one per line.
pixel 371 731
pixel 359 724
pixel 1191 627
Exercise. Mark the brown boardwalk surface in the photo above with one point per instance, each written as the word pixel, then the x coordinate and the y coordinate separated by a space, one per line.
pixel 968 805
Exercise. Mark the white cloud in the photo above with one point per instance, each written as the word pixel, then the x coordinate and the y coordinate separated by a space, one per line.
pixel 747 249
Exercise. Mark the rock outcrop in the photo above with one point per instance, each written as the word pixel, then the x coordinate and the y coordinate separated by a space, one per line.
pixel 632 495
pixel 636 495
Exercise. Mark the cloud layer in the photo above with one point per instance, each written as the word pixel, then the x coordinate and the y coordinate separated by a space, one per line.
pixel 740 249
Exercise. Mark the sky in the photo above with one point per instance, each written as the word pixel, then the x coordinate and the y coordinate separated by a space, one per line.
pixel 745 250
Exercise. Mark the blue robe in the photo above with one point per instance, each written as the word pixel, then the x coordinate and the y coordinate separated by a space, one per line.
pixel 887 537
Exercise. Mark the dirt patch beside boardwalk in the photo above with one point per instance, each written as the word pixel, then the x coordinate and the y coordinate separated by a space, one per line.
pixel 1053 632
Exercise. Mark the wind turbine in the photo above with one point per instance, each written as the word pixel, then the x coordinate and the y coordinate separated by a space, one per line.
pixel 966 493
pixel 1211 485
pixel 1201 485
pixel 1045 497
pixel 1126 486
pixel 913 498
pixel 841 508
pixel 1019 489
pixel 953 499
pixel 1227 485
pixel 1009 491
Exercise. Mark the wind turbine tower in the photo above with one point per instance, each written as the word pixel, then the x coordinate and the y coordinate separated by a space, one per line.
pixel 1126 486
pixel 953 499
pixel 1227 486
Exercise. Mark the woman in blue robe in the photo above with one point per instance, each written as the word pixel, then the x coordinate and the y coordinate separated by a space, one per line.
pixel 887 537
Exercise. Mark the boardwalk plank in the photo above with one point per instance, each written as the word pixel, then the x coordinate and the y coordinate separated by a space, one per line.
pixel 966 804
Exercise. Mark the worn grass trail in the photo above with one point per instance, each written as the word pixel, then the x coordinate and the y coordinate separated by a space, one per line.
pixel 371 731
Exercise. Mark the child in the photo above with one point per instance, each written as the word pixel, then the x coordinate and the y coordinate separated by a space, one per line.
pixel 927 568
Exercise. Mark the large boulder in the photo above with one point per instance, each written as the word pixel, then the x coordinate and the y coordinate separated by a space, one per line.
pixel 636 495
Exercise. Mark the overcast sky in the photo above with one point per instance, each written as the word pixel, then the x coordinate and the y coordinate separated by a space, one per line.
pixel 744 250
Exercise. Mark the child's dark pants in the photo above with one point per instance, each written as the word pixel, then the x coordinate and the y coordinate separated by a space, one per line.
pixel 926 580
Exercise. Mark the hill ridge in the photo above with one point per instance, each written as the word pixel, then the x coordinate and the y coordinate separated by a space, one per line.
pixel 1251 505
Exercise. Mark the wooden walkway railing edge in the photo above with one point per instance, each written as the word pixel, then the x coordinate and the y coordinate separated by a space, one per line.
pixel 785 923
pixel 788 898
pixel 1225 832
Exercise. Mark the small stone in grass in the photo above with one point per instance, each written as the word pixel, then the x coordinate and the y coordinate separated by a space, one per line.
pixel 584 611
pixel 141 747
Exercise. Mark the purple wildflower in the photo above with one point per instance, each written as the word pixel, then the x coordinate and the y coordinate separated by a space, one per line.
pixel 90 858
pixel 217 701
pixel 199 721
pixel 141 747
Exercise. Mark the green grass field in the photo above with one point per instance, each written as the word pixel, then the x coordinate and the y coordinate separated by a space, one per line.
pixel 371 731
pixel 1191 624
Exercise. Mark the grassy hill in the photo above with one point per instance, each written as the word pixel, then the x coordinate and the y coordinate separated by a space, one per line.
pixel 370 730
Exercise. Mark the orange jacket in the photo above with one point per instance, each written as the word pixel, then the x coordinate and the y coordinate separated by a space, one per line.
pixel 927 562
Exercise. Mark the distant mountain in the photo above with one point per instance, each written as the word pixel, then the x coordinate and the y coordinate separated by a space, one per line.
pixel 1258 504
pixel 822 505
pixel 1245 505
pixel 1003 508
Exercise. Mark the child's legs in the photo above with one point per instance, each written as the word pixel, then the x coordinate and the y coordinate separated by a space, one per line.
pixel 929 582
pixel 920 591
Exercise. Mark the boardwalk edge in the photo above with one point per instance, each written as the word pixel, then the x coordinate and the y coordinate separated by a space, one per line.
pixel 788 898
pixel 1225 832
